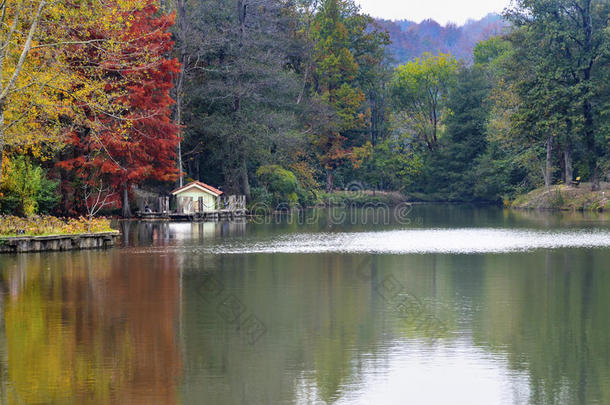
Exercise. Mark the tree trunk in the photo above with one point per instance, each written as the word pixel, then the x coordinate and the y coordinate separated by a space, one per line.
pixel 304 84
pixel 329 180
pixel 373 131
pixel 590 142
pixel 180 171
pixel 181 10
pixel 595 186
pixel 549 163
pixel 126 209
pixel 245 184
pixel 562 164
pixel 435 130
pixel 588 130
pixel 567 163
pixel 1 141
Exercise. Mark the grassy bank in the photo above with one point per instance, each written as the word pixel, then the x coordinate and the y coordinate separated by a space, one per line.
pixel 390 198
pixel 566 198
pixel 39 225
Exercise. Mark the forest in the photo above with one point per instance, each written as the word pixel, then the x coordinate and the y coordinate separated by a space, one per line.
pixel 410 40
pixel 288 101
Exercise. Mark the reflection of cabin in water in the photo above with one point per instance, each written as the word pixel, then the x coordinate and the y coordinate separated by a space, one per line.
pixel 197 201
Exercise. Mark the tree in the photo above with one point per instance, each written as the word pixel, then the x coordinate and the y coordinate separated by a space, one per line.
pixel 394 164
pixel 490 51
pixel 342 37
pixel 539 118
pixel 138 141
pixel 23 183
pixel 182 29
pixel 569 39
pixel 239 90
pixel 96 197
pixel 40 91
pixel 420 90
pixel 453 167
pixel 15 45
pixel 282 184
pixel 508 165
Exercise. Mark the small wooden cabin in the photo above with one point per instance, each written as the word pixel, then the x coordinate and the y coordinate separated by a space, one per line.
pixel 196 197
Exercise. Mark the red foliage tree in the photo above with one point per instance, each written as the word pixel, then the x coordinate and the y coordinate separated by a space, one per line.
pixel 137 139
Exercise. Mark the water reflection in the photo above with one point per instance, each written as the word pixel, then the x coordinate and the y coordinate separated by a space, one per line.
pixel 138 234
pixel 146 324
pixel 464 241
pixel 517 331
pixel 92 327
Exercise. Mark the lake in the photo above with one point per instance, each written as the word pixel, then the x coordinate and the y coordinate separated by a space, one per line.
pixel 430 304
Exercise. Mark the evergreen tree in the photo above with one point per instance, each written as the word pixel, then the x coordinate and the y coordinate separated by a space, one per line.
pixel 453 169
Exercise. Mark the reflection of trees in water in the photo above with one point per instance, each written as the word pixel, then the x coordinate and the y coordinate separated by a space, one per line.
pixel 98 328
pixel 3 354
pixel 557 219
pixel 549 312
pixel 326 322
pixel 102 326
pixel 545 312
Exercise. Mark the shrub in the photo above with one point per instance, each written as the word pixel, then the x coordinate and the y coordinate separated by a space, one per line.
pixel 25 189
pixel 49 225
pixel 48 198
pixel 307 198
pixel 260 197
pixel 282 184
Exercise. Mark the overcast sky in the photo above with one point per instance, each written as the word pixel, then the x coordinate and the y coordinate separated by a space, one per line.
pixel 443 11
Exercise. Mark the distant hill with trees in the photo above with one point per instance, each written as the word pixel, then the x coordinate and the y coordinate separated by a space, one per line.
pixel 411 40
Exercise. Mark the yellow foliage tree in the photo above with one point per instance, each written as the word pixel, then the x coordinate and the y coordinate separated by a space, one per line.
pixel 42 91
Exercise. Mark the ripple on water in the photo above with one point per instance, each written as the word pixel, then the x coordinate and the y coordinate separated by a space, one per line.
pixel 455 241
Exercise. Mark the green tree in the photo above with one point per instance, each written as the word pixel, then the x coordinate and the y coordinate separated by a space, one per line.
pixel 21 186
pixel 509 165
pixel 490 51
pixel 335 75
pixel 239 88
pixel 348 53
pixel 282 184
pixel 420 90
pixel 397 162
pixel 452 169
pixel 566 43
pixel 539 117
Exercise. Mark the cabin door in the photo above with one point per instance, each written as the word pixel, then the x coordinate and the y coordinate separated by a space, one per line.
pixel 187 205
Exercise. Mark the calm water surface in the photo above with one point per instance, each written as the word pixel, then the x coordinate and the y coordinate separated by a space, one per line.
pixel 438 305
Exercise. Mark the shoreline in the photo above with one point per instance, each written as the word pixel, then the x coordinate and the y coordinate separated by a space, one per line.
pixel 563 198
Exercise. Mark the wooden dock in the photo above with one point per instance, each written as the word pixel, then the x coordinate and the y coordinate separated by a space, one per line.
pixel 205 216
pixel 191 210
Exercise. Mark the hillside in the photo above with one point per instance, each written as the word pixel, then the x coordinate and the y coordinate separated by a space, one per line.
pixel 410 40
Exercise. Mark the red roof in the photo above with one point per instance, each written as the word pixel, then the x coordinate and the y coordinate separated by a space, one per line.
pixel 200 184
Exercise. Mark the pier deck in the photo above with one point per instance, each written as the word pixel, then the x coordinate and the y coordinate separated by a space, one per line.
pixel 206 216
